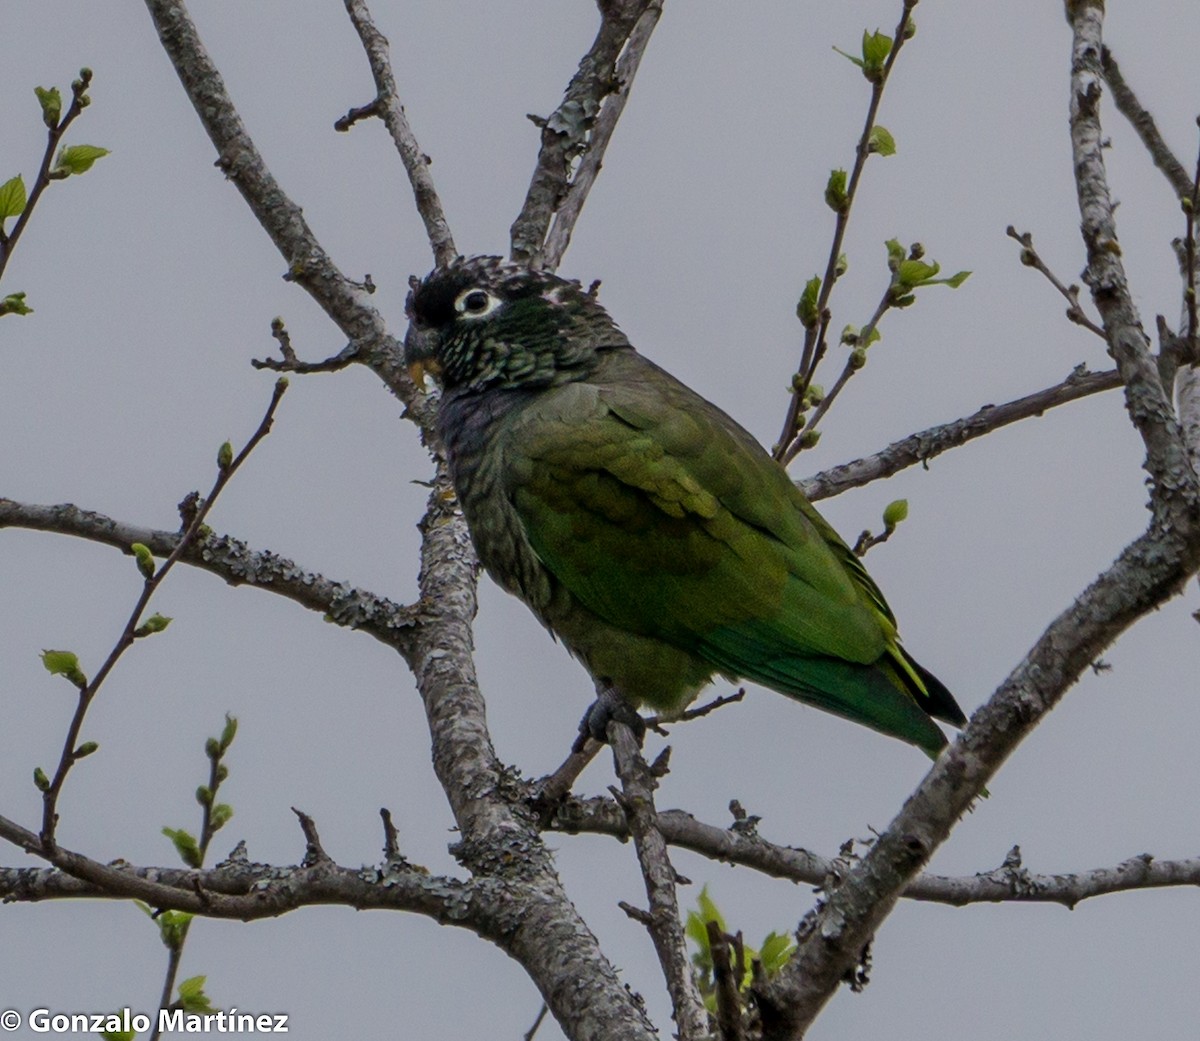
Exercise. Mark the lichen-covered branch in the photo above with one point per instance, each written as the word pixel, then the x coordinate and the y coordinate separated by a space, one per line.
pixel 570 130
pixel 235 562
pixel 569 209
pixel 1010 883
pixel 662 920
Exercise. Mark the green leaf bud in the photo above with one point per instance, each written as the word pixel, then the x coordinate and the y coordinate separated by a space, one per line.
pixel 78 159
pixel 85 749
pixel 12 197
pixel 185 845
pixel 880 141
pixel 810 438
pixel 14 303
pixel 65 664
pixel 220 816
pixel 51 102
pixel 212 748
pixel 156 623
pixel 806 309
pixel 835 192
pixel 225 456
pixel 894 513
pixel 229 732
pixel 144 558
pixel 858 358
pixel 40 779
pixel 204 795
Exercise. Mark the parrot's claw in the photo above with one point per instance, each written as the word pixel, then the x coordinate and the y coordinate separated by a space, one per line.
pixel 608 706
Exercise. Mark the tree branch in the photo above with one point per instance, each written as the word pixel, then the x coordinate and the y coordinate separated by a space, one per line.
pixel 570 130
pixel 1007 884
pixel 308 263
pixel 568 211
pixel 663 921
pixel 387 106
pixel 235 562
pixel 1173 484
pixel 1150 570
pixel 927 444
pixel 1145 127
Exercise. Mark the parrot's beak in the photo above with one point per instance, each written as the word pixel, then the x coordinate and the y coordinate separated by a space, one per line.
pixel 419 356
pixel 422 367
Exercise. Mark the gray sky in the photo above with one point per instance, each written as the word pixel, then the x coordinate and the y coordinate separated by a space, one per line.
pixel 153 287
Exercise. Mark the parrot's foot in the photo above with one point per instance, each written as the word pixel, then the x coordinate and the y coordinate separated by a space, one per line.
pixel 607 707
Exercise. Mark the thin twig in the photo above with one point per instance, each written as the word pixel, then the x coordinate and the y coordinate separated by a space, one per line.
pixel 88 690
pixel 726 983
pixel 814 338
pixel 529 1034
pixel 932 442
pixel 1144 125
pixel 1031 258
pixel 54 134
pixel 387 106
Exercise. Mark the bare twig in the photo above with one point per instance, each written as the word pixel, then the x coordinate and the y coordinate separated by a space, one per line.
pixel 567 133
pixel 1143 123
pixel 726 983
pixel 387 106
pixel 1031 258
pixel 529 1034
pixel 930 443
pixel 663 922
pixel 290 363
pixel 280 217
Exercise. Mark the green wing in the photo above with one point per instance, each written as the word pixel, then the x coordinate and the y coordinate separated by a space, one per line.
pixel 663 517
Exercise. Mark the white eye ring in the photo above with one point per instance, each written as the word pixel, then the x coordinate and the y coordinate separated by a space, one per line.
pixel 476 302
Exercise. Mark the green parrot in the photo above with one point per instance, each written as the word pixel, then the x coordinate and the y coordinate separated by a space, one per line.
pixel 643 526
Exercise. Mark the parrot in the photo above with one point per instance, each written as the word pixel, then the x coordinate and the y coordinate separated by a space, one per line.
pixel 644 527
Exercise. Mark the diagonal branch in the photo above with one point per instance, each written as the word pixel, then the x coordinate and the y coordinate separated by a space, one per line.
pixel 927 444
pixel 576 194
pixel 1149 571
pixel 281 218
pixel 570 130
pixel 387 106
pixel 1143 124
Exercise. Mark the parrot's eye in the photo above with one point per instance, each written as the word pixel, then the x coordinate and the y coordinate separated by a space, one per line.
pixel 475 303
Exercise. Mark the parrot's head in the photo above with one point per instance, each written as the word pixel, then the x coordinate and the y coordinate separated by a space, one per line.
pixel 483 322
